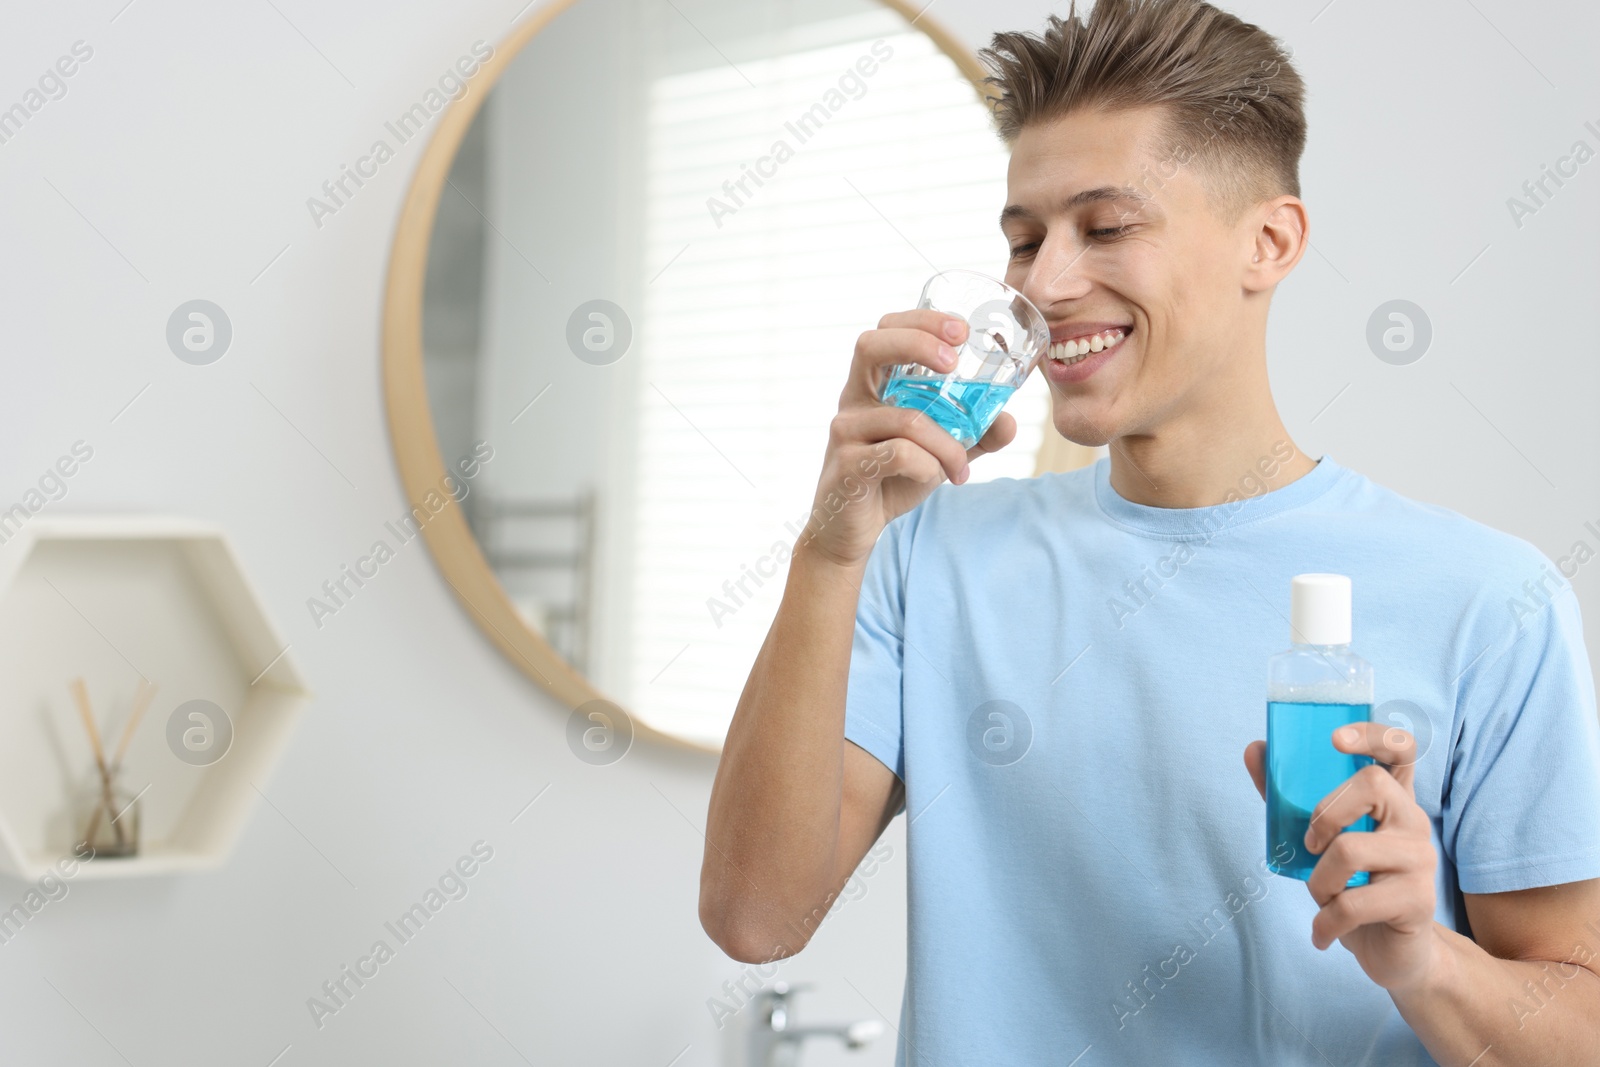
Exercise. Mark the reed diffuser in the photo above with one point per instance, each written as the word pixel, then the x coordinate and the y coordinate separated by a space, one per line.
pixel 111 816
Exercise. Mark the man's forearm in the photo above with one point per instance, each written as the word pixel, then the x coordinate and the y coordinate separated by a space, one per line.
pixel 1482 1011
pixel 773 826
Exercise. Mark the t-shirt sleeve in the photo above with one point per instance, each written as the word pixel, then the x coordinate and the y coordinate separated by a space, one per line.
pixel 873 712
pixel 1523 808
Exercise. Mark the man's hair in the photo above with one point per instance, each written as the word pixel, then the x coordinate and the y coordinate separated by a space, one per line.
pixel 1232 99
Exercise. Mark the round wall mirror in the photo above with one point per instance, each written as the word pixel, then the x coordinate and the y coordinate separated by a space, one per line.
pixel 623 297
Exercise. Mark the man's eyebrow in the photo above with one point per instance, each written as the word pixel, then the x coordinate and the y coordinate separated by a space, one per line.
pixel 1087 196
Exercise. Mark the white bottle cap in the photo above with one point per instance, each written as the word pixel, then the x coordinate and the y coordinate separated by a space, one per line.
pixel 1319 609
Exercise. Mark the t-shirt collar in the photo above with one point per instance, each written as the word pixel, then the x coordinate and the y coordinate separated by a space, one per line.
pixel 1181 523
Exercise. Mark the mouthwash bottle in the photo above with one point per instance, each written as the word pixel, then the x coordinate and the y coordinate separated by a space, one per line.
pixel 1314 688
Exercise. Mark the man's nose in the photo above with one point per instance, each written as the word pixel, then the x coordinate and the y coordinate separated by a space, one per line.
pixel 1059 272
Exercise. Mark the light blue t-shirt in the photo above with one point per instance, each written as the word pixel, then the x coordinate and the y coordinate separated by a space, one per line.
pixel 1066 682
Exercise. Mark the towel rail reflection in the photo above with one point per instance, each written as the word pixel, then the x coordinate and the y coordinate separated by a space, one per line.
pixel 542 550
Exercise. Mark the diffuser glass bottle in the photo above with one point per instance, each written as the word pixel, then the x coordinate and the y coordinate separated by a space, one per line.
pixel 109 816
pixel 1314 688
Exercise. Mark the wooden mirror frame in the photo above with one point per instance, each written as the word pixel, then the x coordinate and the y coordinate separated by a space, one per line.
pixel 416 448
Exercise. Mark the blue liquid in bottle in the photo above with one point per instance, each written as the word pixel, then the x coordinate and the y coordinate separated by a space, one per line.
pixel 1302 768
pixel 963 407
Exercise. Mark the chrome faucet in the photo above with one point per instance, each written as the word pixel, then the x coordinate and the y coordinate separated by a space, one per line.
pixel 775 1039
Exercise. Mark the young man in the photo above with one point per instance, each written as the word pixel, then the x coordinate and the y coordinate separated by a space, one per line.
pixel 1056 677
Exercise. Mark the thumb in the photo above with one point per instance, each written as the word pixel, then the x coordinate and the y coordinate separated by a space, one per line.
pixel 1002 433
pixel 1255 758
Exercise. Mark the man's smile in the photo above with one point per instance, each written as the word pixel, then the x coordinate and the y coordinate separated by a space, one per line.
pixel 1071 344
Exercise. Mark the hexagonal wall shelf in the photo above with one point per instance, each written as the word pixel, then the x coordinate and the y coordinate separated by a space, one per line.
pixel 113 600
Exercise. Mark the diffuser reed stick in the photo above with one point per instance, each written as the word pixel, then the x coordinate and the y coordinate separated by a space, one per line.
pixel 80 694
pixel 141 700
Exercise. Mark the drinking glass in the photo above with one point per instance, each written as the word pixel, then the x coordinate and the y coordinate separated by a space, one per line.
pixel 1007 336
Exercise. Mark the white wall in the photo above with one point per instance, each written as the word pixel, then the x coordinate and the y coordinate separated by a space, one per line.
pixel 178 165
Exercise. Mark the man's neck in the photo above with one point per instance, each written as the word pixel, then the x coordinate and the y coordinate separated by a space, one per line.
pixel 1199 462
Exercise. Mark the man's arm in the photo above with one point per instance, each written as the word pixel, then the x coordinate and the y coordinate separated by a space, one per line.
pixel 1524 989
pixel 794 807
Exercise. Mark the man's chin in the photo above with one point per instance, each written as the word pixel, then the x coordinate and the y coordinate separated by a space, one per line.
pixel 1081 431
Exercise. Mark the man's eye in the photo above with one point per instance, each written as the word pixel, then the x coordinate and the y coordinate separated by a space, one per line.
pixel 1109 233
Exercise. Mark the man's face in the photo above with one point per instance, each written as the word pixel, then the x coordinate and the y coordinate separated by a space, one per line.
pixel 1112 233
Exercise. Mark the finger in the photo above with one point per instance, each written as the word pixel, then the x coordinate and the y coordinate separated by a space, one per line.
pixel 907 459
pixel 952 328
pixel 1393 900
pixel 1389 745
pixel 880 349
pixel 1379 854
pixel 1002 433
pixel 1255 759
pixel 1370 791
pixel 883 421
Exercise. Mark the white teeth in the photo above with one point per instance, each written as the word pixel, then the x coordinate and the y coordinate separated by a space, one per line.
pixel 1072 351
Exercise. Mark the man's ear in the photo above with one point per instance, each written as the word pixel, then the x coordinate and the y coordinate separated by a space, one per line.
pixel 1280 237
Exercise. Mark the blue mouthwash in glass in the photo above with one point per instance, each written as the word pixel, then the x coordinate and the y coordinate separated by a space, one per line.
pixel 963 406
pixel 1314 688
